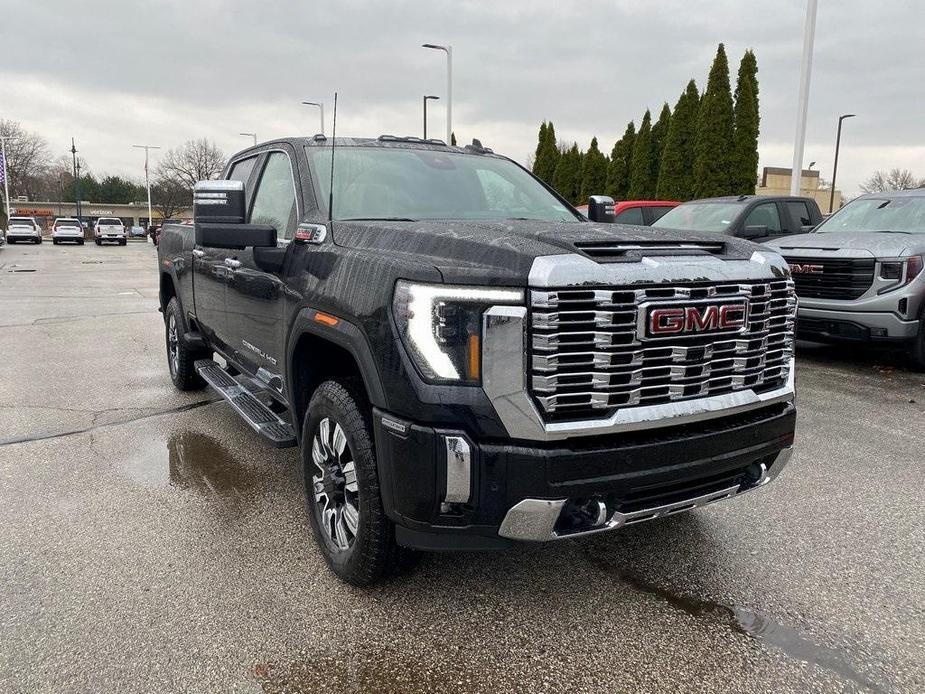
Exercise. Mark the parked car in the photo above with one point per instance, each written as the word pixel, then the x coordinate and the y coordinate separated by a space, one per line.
pixel 464 360
pixel 638 212
pixel 757 218
pixel 67 229
pixel 136 232
pixel 859 274
pixel 109 229
pixel 23 229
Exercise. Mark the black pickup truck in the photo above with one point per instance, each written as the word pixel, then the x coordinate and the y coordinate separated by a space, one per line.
pixel 464 361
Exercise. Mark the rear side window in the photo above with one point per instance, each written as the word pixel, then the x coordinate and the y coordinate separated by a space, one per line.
pixel 765 215
pixel 241 170
pixel 21 222
pixel 631 216
pixel 658 212
pixel 800 212
pixel 274 201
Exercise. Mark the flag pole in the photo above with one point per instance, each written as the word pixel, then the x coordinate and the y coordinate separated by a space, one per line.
pixel 6 180
pixel 147 181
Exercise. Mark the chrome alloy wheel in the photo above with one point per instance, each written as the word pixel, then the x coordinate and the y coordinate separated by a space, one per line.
pixel 173 344
pixel 335 485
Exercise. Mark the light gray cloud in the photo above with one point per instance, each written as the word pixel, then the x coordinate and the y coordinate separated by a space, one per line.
pixel 115 73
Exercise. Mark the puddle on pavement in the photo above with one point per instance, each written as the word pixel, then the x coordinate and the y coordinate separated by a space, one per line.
pixel 194 462
pixel 752 624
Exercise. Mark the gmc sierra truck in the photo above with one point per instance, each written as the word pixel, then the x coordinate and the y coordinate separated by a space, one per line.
pixel 465 361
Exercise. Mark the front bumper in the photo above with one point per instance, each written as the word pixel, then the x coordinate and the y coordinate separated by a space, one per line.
pixel 824 325
pixel 501 492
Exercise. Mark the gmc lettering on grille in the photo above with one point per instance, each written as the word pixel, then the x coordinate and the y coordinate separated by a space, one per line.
pixel 674 320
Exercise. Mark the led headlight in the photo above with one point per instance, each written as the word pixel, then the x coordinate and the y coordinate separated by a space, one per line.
pixel 441 327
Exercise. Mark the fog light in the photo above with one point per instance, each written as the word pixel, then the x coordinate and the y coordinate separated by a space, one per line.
pixel 878 332
pixel 581 514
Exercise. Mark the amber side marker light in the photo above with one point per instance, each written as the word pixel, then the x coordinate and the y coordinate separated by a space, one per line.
pixel 475 354
pixel 325 319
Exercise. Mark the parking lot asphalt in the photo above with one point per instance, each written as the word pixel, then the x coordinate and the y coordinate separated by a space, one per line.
pixel 149 541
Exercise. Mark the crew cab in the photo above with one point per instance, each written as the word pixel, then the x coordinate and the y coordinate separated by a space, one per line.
pixel 23 229
pixel 463 360
pixel 859 275
pixel 67 229
pixel 109 229
pixel 757 218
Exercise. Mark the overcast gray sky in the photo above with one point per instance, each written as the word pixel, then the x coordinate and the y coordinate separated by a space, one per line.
pixel 120 72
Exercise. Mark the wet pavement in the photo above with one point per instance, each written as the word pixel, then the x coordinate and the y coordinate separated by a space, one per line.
pixel 149 541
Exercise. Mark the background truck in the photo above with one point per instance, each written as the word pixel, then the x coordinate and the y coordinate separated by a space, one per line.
pixel 464 361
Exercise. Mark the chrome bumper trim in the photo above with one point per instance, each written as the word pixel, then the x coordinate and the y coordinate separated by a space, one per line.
pixel 504 373
pixel 534 520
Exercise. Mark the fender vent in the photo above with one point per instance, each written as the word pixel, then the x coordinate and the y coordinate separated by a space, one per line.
pixel 619 250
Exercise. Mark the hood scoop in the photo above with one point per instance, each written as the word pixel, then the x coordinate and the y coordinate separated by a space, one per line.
pixel 616 251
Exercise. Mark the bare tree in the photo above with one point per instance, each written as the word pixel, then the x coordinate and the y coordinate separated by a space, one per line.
pixel 169 197
pixel 195 160
pixel 27 158
pixel 896 179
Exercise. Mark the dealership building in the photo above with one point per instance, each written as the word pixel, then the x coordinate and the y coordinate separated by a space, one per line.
pixel 134 214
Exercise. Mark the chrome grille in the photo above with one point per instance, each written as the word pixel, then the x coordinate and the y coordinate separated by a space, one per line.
pixel 586 360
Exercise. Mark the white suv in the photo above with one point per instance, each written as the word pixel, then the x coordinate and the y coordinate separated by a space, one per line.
pixel 109 229
pixel 23 229
pixel 67 229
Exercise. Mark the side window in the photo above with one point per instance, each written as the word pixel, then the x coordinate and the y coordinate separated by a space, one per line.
pixel 274 202
pixel 631 216
pixel 765 215
pixel 658 212
pixel 241 170
pixel 800 212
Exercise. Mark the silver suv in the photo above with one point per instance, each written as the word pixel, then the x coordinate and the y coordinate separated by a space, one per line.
pixel 859 274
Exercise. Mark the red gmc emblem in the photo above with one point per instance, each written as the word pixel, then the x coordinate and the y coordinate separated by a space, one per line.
pixel 798 269
pixel 663 321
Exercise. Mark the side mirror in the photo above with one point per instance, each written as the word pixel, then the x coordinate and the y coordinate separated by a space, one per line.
pixel 219 201
pixel 600 209
pixel 753 231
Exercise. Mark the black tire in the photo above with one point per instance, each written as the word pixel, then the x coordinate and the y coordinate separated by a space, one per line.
pixel 122 242
pixel 371 552
pixel 39 241
pixel 180 358
pixel 80 243
pixel 54 242
pixel 98 242
pixel 11 241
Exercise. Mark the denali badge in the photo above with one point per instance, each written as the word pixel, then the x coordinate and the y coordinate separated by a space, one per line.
pixel 797 269
pixel 661 320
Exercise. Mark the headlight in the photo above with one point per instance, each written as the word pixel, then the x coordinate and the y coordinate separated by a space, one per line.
pixel 441 327
pixel 893 270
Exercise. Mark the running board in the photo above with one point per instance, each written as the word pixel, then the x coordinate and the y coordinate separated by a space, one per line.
pixel 262 419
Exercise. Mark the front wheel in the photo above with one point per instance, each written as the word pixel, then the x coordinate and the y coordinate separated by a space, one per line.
pixel 180 358
pixel 345 508
pixel 80 243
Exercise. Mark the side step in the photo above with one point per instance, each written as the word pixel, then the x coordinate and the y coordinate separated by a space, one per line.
pixel 262 419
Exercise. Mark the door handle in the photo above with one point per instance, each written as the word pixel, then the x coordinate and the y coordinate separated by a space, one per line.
pixel 199 253
pixel 232 263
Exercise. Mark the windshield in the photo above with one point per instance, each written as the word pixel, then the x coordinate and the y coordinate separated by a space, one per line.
pixel 878 214
pixel 415 184
pixel 700 216
pixel 20 222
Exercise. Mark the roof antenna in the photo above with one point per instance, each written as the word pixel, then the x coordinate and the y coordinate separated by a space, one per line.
pixel 333 140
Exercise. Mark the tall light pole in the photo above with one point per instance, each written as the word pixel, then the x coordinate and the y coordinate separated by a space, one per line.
pixel 426 99
pixel 148 181
pixel 835 165
pixel 253 135
pixel 6 179
pixel 806 69
pixel 449 87
pixel 320 105
pixel 76 179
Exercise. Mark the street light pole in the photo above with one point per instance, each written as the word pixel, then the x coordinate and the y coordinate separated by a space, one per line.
pixel 806 69
pixel 148 181
pixel 835 165
pixel 76 179
pixel 253 135
pixel 449 87
pixel 6 180
pixel 320 105
pixel 426 99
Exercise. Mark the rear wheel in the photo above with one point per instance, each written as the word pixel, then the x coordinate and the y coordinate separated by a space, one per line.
pixel 98 242
pixel 345 508
pixel 180 358
pixel 80 242
pixel 11 241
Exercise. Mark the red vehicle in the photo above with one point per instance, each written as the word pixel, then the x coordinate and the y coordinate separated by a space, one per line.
pixel 639 212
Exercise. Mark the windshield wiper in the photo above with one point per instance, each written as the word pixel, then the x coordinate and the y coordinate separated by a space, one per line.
pixel 891 231
pixel 376 219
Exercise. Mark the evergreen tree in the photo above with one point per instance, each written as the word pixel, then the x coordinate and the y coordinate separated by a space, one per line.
pixel 659 135
pixel 618 171
pixel 642 185
pixel 547 154
pixel 746 118
pixel 713 162
pixel 593 172
pixel 675 178
pixel 567 178
pixel 453 139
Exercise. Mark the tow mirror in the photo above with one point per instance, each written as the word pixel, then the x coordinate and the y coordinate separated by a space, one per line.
pixel 600 209
pixel 219 201
pixel 753 231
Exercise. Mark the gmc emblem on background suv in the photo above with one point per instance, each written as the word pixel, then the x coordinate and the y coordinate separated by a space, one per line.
pixel 665 321
pixel 798 269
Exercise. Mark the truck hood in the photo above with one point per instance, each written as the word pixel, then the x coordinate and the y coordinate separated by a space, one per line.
pixel 504 251
pixel 856 244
